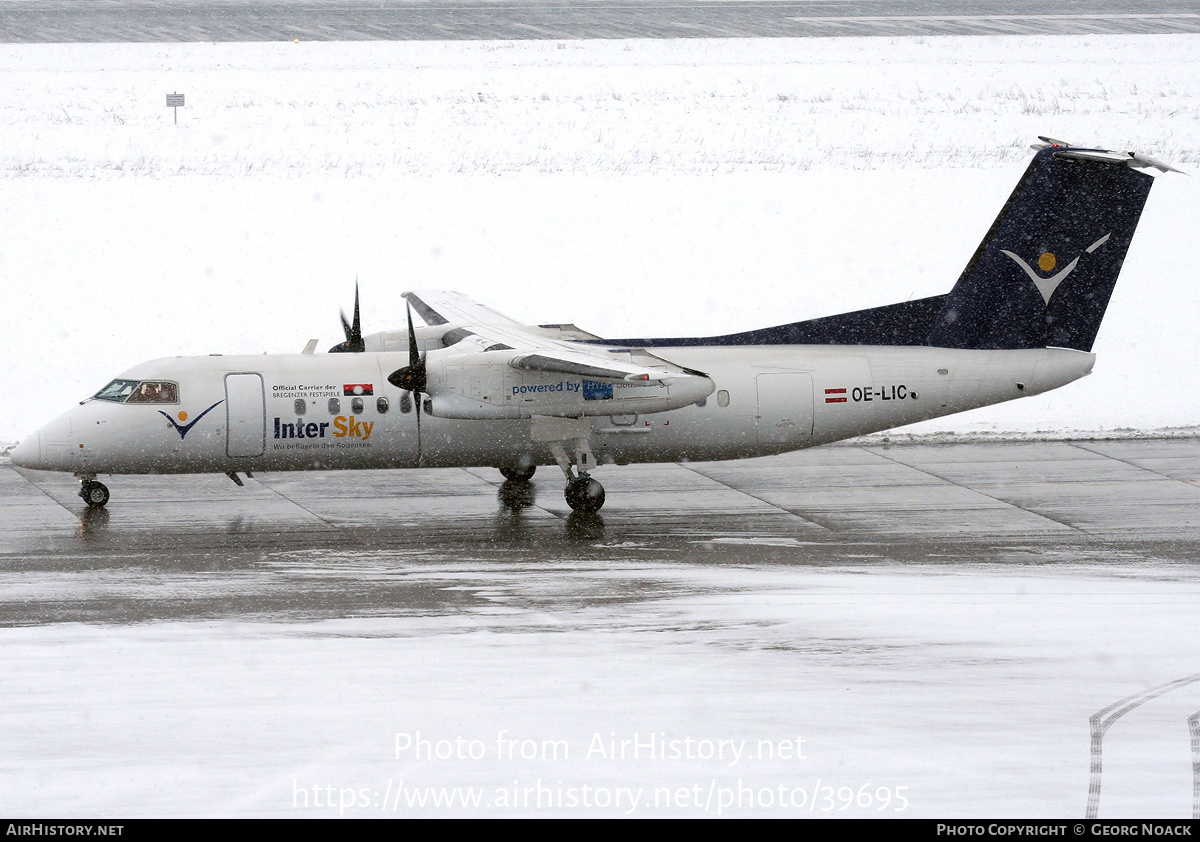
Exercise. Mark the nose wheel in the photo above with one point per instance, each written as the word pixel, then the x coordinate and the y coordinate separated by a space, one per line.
pixel 95 494
pixel 584 494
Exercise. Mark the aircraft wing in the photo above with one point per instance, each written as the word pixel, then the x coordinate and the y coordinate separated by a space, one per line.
pixel 488 330
pixel 437 307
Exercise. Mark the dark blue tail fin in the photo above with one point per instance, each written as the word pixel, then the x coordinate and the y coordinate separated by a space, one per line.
pixel 1041 277
pixel 1044 273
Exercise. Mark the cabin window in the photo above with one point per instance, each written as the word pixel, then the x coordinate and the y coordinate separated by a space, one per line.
pixel 300 406
pixel 356 406
pixel 623 420
pixel 722 398
pixel 154 391
pixel 381 405
pixel 406 403
pixel 335 406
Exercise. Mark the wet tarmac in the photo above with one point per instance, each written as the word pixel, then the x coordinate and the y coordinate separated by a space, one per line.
pixel 33 21
pixel 882 630
pixel 912 502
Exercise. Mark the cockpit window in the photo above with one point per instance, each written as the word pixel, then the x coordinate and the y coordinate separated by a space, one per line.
pixel 116 391
pixel 135 391
pixel 154 391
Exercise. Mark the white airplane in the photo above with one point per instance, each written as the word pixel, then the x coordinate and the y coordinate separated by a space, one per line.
pixel 475 388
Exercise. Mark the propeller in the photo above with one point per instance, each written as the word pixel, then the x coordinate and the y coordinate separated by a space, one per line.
pixel 413 377
pixel 354 339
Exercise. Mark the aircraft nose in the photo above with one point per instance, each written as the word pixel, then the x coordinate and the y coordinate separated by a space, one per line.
pixel 52 448
pixel 28 453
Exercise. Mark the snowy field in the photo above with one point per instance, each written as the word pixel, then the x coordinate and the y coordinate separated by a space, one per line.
pixel 879 690
pixel 635 188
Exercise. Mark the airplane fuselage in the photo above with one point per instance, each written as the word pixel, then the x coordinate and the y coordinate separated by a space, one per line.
pixel 338 411
pixel 477 388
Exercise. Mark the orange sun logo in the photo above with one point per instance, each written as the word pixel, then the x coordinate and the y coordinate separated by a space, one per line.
pixel 1046 262
pixel 182 415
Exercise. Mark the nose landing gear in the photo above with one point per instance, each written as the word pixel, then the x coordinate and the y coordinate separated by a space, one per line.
pixel 584 494
pixel 95 494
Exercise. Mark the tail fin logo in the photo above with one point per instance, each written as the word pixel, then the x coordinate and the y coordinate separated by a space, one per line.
pixel 1046 262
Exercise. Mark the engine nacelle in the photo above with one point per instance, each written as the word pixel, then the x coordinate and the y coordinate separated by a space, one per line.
pixel 483 386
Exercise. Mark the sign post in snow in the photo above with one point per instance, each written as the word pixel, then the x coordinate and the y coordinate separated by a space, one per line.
pixel 175 101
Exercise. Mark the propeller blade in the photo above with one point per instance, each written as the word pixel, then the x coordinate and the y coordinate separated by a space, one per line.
pixel 356 331
pixel 414 354
pixel 413 377
pixel 354 339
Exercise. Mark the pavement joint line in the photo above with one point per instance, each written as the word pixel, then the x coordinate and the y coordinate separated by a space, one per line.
pixel 804 518
pixel 1136 465
pixel 300 506
pixel 25 476
pixel 927 472
pixel 497 485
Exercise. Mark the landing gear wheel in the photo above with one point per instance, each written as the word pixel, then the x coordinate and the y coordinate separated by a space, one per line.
pixel 95 494
pixel 518 473
pixel 584 494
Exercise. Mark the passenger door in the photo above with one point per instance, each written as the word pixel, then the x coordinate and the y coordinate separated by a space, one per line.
pixel 245 415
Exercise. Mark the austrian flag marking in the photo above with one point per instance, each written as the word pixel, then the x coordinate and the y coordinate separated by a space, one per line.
pixel 358 389
pixel 831 396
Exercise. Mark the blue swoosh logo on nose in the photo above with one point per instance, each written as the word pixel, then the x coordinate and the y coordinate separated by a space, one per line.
pixel 183 431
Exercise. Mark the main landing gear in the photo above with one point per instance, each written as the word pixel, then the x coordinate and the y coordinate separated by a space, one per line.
pixel 95 494
pixel 583 493
pixel 518 473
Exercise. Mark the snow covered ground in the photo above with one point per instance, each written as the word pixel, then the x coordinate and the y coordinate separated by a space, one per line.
pixel 870 690
pixel 635 188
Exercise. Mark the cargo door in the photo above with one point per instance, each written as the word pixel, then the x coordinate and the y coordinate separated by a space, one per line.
pixel 785 408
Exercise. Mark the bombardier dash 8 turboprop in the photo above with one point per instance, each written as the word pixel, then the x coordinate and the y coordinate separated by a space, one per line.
pixel 474 388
